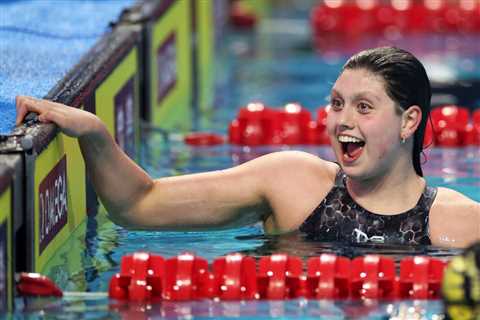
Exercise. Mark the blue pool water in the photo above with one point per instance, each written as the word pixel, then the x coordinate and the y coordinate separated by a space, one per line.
pixel 40 41
pixel 275 69
pixel 90 269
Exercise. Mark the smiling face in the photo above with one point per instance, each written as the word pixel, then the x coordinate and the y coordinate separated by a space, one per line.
pixel 364 124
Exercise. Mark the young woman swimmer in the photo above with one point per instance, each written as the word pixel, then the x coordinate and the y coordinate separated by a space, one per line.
pixel 375 192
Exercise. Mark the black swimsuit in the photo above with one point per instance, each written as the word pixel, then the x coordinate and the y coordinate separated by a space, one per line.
pixel 340 218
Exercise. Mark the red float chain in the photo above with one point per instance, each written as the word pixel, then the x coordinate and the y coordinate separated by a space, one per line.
pixel 149 277
pixel 146 277
pixel 256 124
pixel 352 19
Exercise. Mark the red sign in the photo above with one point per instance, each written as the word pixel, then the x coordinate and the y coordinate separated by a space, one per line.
pixel 166 67
pixel 53 203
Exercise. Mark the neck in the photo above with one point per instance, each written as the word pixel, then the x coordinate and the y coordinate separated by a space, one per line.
pixel 395 190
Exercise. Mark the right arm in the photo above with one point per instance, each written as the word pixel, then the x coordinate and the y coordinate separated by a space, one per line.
pixel 133 199
pixel 280 188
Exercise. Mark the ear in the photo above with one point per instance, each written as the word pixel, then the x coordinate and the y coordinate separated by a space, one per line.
pixel 411 119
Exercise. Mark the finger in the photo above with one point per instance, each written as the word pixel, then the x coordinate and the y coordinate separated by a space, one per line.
pixel 24 105
pixel 21 109
pixel 30 104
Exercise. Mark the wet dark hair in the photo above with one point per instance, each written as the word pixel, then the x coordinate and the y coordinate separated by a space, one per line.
pixel 406 83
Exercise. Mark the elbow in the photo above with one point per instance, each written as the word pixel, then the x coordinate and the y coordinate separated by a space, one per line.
pixel 130 221
pixel 120 220
pixel 133 214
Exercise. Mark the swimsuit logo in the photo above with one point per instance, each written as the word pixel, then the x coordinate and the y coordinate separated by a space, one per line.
pixel 361 237
pixel 53 209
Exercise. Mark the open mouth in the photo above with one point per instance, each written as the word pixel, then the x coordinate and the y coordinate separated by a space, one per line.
pixel 351 147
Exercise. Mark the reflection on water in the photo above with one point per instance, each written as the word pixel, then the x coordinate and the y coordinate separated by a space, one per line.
pixel 101 308
pixel 296 244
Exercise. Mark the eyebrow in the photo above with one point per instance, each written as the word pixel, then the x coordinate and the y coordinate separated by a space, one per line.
pixel 360 95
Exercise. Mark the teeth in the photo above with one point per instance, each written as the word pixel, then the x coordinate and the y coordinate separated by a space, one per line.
pixel 348 139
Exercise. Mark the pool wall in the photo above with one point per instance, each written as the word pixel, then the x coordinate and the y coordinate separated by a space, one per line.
pixel 154 62
pixel 106 83
pixel 10 206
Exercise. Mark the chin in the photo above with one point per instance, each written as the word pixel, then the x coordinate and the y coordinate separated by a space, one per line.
pixel 351 172
pixel 355 171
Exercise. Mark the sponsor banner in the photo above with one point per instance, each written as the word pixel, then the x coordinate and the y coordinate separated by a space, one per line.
pixel 124 117
pixel 52 199
pixel 166 67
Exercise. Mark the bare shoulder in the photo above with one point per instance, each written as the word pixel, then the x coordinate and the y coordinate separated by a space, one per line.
pixel 450 199
pixel 293 183
pixel 454 218
pixel 295 158
pixel 290 164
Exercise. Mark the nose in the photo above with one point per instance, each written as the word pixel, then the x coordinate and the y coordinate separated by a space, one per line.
pixel 346 118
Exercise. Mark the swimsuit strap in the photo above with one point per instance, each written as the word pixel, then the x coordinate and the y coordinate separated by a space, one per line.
pixel 340 178
pixel 428 196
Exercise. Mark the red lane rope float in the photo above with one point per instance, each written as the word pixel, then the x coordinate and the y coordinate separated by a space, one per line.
pixel 35 284
pixel 203 139
pixel 241 16
pixel 372 17
pixel 140 278
pixel 476 127
pixel 235 278
pixel 328 277
pixel 373 277
pixel 450 125
pixel 187 278
pixel 420 278
pixel 278 277
pixel 257 125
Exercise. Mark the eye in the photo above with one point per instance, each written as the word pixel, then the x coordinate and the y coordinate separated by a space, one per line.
pixel 362 107
pixel 336 104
